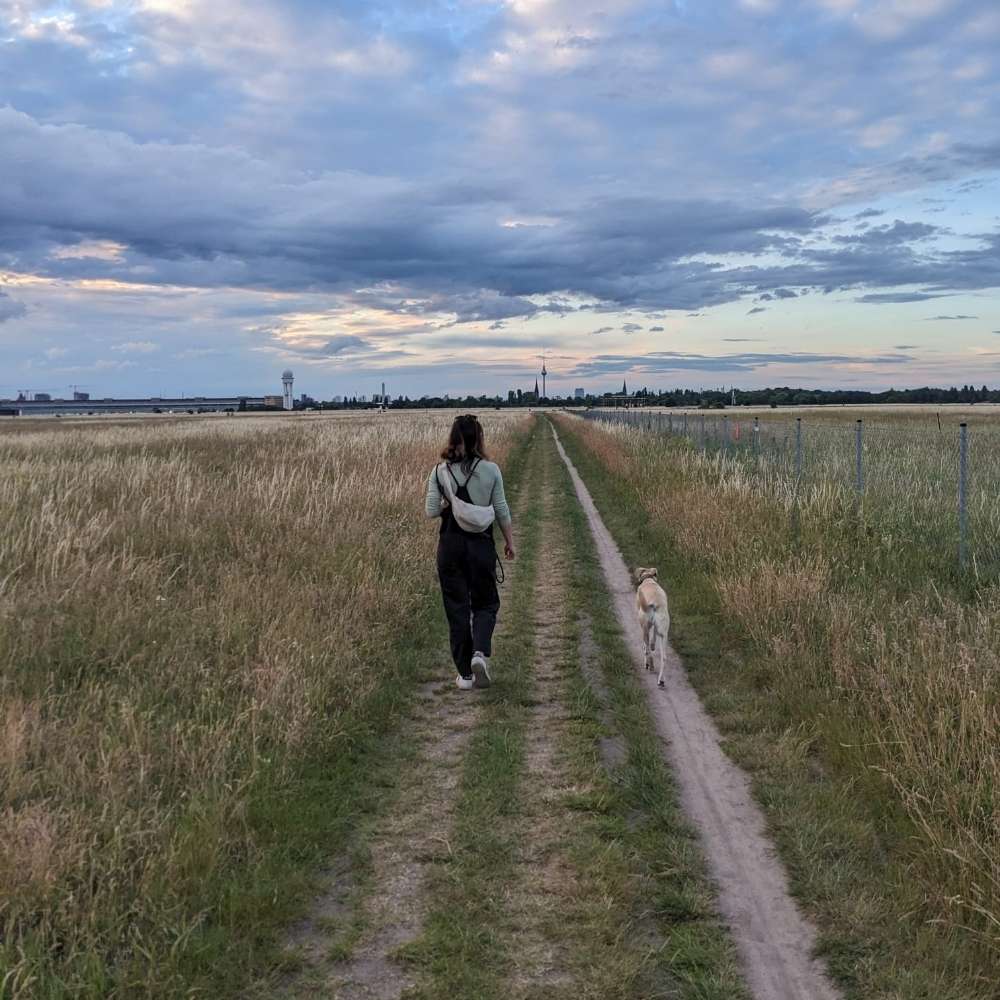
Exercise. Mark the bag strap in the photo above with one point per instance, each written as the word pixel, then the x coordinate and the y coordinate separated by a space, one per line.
pixel 443 490
pixel 472 472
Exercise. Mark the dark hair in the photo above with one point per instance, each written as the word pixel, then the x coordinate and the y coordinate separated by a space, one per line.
pixel 465 442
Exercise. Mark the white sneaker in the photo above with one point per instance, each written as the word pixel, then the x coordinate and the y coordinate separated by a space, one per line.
pixel 480 670
pixel 465 683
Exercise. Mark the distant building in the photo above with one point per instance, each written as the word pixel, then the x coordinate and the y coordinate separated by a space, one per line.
pixel 43 397
pixel 147 404
pixel 579 393
pixel 278 402
pixel 80 397
pixel 287 381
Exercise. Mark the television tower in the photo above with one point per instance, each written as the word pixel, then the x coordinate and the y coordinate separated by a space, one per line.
pixel 544 373
pixel 287 379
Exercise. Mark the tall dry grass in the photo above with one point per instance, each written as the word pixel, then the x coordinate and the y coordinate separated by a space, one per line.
pixel 900 668
pixel 189 612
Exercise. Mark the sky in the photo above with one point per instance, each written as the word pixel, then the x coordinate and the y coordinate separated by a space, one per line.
pixel 197 194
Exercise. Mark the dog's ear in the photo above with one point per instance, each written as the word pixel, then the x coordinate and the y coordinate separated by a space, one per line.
pixel 651 573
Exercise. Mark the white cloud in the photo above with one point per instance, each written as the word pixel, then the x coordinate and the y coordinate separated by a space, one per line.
pixel 136 347
pixel 881 133
pixel 95 249
pixel 760 6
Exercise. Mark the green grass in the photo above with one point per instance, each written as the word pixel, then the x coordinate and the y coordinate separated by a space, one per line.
pixel 841 829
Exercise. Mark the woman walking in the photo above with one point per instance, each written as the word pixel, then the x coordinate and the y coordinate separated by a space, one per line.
pixel 466 557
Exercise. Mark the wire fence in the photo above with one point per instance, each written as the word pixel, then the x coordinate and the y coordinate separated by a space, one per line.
pixel 922 482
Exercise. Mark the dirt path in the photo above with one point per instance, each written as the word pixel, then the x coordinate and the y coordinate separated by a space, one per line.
pixel 382 910
pixel 775 942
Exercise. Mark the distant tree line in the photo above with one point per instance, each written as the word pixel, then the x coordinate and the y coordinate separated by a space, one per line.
pixel 690 398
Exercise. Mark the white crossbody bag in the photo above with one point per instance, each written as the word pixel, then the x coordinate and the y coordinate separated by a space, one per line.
pixel 470 516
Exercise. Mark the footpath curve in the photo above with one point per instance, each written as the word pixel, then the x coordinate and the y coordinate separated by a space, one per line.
pixel 775 942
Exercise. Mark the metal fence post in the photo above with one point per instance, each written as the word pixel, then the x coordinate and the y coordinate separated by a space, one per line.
pixel 756 436
pixel 963 474
pixel 670 423
pixel 703 442
pixel 859 468
pixel 798 449
pixel 725 433
pixel 685 425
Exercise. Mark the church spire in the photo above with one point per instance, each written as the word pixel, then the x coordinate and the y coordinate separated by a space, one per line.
pixel 536 388
pixel 624 389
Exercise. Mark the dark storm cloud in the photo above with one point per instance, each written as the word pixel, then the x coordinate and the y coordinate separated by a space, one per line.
pixel 890 298
pixel 880 237
pixel 631 327
pixel 656 329
pixel 198 215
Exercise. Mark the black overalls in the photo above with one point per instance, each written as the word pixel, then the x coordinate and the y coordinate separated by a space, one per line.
pixel 466 563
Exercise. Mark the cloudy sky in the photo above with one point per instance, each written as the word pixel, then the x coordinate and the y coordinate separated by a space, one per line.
pixel 195 194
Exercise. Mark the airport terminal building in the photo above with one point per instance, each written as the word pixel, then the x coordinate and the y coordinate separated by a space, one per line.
pixel 42 404
pixel 197 404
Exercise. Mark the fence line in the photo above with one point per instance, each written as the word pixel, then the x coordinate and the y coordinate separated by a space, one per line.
pixel 924 471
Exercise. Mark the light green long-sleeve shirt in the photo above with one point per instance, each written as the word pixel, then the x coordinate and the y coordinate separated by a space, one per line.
pixel 485 488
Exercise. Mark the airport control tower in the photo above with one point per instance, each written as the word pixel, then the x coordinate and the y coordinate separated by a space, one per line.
pixel 287 380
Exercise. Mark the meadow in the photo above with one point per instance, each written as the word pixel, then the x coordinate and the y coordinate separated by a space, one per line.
pixel 845 644
pixel 198 630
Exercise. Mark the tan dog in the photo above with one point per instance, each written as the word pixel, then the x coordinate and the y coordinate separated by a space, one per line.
pixel 654 616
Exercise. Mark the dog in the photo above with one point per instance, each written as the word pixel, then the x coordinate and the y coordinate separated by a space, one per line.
pixel 654 616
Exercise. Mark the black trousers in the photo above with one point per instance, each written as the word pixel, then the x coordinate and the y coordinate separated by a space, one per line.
pixel 465 565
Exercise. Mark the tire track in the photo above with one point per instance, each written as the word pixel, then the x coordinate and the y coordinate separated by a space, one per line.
pixel 776 943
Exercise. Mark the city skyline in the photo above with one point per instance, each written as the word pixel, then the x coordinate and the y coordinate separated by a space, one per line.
pixel 198 195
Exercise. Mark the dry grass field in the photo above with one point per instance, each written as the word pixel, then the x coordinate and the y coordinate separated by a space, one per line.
pixel 193 611
pixel 852 649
